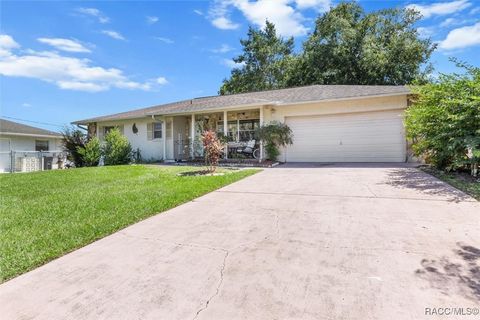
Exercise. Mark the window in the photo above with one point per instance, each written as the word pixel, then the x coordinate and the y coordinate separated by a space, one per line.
pixel 41 145
pixel 239 130
pixel 107 130
pixel 157 130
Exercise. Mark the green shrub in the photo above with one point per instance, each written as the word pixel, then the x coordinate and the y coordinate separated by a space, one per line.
pixel 73 139
pixel 117 149
pixel 274 135
pixel 444 120
pixel 91 152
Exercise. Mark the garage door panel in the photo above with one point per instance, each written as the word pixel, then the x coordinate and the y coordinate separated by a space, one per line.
pixel 361 137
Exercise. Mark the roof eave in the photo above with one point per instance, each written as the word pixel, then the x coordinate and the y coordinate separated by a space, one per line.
pixel 92 120
pixel 235 107
pixel 267 103
pixel 31 135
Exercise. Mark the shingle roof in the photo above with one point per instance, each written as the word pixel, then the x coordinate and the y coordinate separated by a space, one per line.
pixel 10 127
pixel 278 97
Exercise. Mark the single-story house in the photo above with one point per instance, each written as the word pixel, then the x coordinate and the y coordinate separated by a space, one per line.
pixel 26 148
pixel 330 123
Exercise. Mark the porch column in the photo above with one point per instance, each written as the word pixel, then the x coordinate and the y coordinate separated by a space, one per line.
pixel 261 124
pixel 192 136
pixel 225 128
pixel 164 138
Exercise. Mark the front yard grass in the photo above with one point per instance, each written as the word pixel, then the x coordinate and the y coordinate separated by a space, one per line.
pixel 460 180
pixel 44 215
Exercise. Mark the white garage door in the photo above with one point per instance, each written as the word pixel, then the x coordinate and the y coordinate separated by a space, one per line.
pixel 354 137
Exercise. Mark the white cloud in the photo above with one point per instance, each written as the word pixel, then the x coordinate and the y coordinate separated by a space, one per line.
pixel 440 8
pixel 161 80
pixel 81 86
pixel 448 22
pixel 165 40
pixel 64 44
pixel 224 23
pixel 475 10
pixel 426 32
pixel 285 14
pixel 7 44
pixel 93 12
pixel 152 19
pixel 113 34
pixel 26 105
pixel 199 12
pixel 322 5
pixel 219 15
pixel 456 22
pixel 65 72
pixel 231 64
pixel 288 22
pixel 461 38
pixel 224 48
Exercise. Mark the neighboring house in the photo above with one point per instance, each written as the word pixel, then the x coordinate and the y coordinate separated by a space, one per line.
pixel 330 123
pixel 28 148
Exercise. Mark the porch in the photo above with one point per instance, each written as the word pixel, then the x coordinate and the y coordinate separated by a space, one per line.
pixel 236 128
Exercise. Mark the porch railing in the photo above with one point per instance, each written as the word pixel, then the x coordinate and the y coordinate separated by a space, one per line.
pixel 182 150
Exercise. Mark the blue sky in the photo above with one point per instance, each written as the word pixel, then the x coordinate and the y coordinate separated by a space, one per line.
pixel 65 61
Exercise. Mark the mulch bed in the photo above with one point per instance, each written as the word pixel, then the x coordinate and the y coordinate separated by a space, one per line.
pixel 460 175
pixel 231 163
pixel 204 173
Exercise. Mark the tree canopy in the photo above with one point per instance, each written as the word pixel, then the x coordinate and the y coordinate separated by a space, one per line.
pixel 347 46
pixel 264 62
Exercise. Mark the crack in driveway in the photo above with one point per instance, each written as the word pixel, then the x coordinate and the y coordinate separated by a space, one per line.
pixel 217 290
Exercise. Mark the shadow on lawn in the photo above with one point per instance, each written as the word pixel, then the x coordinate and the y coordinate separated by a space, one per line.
pixel 459 274
pixel 424 183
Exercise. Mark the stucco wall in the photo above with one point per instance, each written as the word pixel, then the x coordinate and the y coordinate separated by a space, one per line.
pixel 153 149
pixel 149 149
pixel 279 113
pixel 28 143
pixel 19 143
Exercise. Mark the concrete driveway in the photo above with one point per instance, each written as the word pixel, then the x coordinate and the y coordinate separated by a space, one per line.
pixel 293 242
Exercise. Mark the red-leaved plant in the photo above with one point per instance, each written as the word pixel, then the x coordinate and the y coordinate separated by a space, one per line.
pixel 212 148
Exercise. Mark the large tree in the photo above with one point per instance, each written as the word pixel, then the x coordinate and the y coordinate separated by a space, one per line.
pixel 347 46
pixel 350 46
pixel 444 120
pixel 263 62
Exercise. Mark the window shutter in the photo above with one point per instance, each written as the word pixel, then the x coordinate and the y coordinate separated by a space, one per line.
pixel 121 129
pixel 149 131
pixel 100 131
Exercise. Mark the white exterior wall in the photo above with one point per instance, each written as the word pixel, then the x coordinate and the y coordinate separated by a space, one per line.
pixel 150 150
pixel 153 149
pixel 279 113
pixel 23 143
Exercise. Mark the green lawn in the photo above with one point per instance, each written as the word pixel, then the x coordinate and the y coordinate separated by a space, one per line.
pixel 44 215
pixel 461 181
